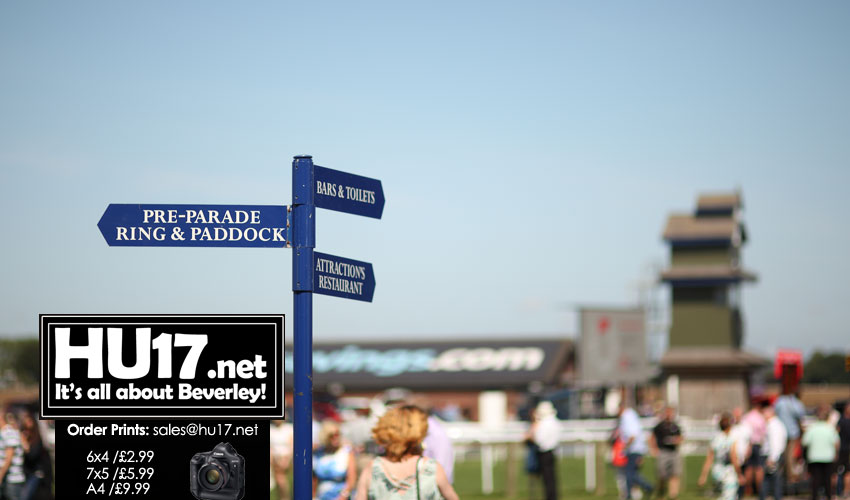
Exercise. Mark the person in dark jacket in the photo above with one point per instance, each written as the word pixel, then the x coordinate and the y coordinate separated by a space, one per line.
pixel 843 483
pixel 37 467
pixel 664 444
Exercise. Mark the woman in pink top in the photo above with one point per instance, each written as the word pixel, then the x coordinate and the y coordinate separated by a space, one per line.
pixel 754 466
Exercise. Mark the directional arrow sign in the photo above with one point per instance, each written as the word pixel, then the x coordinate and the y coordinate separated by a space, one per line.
pixel 135 225
pixel 341 277
pixel 344 192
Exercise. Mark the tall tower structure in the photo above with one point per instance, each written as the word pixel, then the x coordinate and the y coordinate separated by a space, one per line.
pixel 705 368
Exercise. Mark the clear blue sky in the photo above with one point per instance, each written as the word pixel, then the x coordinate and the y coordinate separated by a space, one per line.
pixel 530 153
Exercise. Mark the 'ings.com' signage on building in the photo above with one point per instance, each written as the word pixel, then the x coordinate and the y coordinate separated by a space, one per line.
pixel 423 365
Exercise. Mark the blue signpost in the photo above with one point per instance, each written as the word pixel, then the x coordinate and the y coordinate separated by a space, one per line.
pixel 344 192
pixel 134 225
pixel 341 277
pixel 272 226
pixel 314 186
pixel 303 242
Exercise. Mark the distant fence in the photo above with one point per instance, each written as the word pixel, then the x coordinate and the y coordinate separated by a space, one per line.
pixel 579 438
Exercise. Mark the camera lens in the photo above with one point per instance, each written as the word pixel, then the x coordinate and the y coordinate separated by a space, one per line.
pixel 212 477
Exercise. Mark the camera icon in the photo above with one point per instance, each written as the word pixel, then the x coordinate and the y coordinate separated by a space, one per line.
pixel 218 474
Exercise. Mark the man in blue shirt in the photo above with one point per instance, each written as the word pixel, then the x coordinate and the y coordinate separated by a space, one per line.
pixel 634 437
pixel 790 411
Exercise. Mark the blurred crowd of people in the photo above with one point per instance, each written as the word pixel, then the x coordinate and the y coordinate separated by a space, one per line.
pixel 768 450
pixel 26 463
pixel 630 444
pixel 397 448
pixel 771 451
pixel 389 449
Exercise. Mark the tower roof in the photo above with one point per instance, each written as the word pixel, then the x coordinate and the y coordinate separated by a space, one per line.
pixel 711 358
pixel 709 274
pixel 719 203
pixel 684 228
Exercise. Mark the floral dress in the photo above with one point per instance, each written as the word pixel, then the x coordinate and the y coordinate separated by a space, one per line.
pixel 723 472
pixel 384 486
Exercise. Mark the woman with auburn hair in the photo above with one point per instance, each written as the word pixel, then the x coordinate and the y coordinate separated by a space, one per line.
pixel 403 473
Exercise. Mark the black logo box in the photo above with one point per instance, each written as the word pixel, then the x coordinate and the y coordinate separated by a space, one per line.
pixel 235 344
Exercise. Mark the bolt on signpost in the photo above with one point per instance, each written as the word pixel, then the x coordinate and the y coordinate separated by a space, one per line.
pixel 258 226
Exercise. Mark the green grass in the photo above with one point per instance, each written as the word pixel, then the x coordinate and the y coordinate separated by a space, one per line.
pixel 570 481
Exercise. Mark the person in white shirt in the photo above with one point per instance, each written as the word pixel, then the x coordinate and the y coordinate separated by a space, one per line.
pixel 773 450
pixel 634 437
pixel 545 432
pixel 12 459
pixel 741 436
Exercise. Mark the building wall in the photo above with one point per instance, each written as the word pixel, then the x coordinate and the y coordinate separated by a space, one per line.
pixel 813 395
pixel 701 256
pixel 702 324
pixel 702 398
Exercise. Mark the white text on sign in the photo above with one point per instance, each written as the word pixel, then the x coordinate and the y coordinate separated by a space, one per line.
pixel 189 216
pixel 345 192
pixel 345 276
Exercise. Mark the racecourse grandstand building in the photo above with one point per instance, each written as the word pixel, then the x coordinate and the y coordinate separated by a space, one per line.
pixel 446 373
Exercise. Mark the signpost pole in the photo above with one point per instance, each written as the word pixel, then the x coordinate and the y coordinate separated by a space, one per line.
pixel 303 243
pixel 272 226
